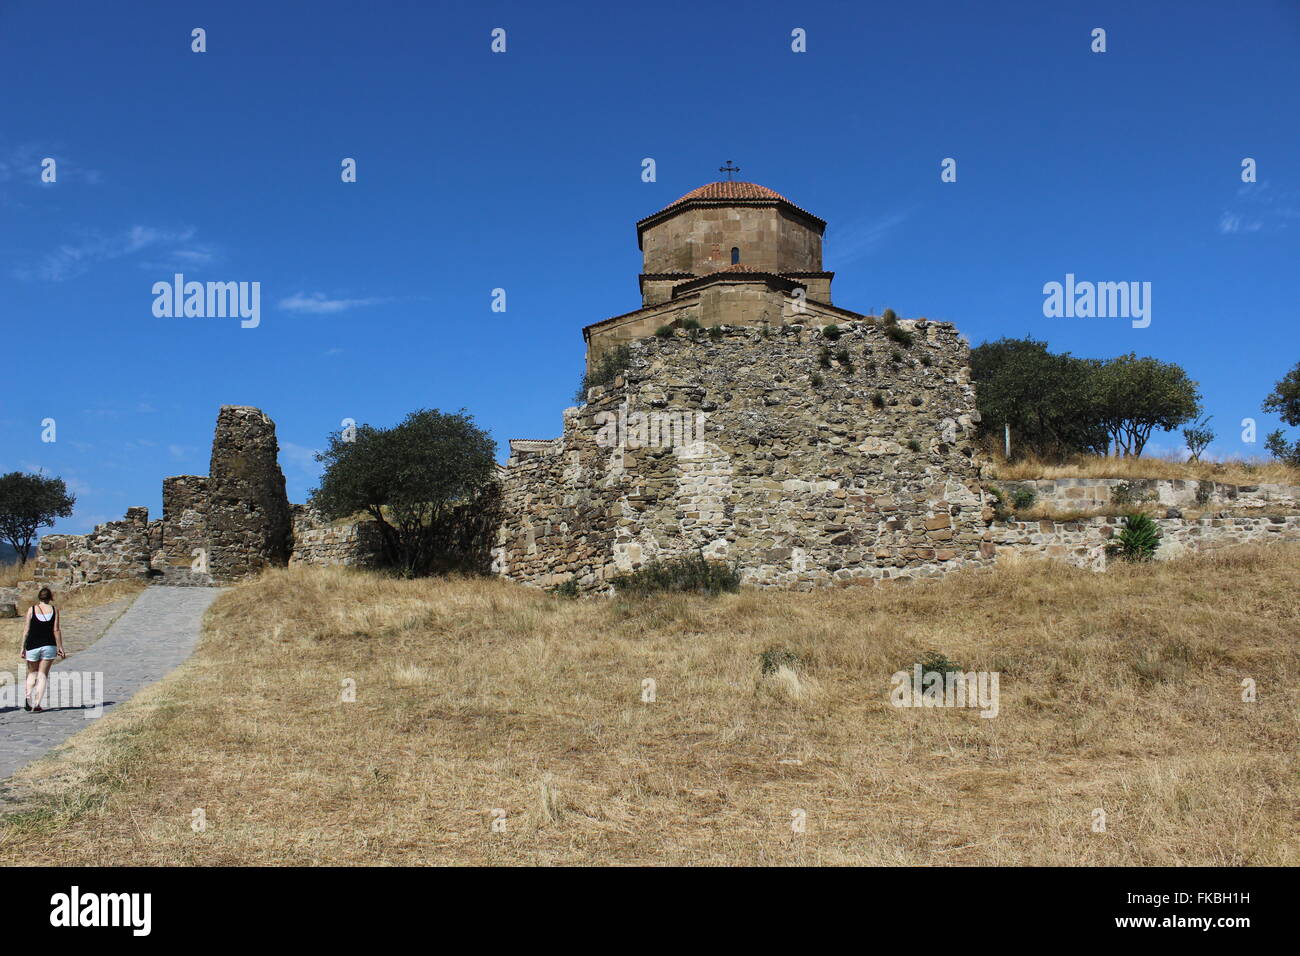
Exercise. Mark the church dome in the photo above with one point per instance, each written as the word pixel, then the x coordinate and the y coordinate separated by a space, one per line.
pixel 728 194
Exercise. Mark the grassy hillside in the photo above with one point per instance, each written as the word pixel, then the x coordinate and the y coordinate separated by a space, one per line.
pixel 1118 691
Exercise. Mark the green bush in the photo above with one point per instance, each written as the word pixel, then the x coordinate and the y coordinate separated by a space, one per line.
pixel 1130 493
pixel 1000 510
pixel 715 332
pixel 913 445
pixel 824 357
pixel 938 663
pixel 878 400
pixel 691 325
pixel 1138 538
pixel 693 573
pixel 1023 498
pixel 609 365
pixel 889 317
pixel 899 335
pixel 817 380
pixel 774 658
pixel 846 361
pixel 569 589
pixel 896 356
pixel 832 332
pixel 664 331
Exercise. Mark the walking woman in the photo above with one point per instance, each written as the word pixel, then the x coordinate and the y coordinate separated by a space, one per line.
pixel 42 643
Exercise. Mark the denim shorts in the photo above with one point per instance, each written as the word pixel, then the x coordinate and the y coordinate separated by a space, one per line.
pixel 46 653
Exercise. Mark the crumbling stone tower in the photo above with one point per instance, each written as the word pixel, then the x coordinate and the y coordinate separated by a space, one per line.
pixel 248 520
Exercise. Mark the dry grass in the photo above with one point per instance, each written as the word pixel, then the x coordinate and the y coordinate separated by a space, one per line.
pixel 1119 691
pixel 1094 466
pixel 12 572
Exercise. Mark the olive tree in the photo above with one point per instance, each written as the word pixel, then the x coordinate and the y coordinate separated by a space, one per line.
pixel 413 479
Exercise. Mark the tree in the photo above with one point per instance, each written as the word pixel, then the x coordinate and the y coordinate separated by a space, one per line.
pixel 28 502
pixel 1284 400
pixel 1045 398
pixel 1198 438
pixel 413 479
pixel 1135 395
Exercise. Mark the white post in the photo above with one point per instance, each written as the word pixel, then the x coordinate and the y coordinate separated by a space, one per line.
pixel 1007 426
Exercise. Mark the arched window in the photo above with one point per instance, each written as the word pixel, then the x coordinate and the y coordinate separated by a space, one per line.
pixel 735 255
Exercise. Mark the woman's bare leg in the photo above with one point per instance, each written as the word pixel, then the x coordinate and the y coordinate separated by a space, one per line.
pixel 42 678
pixel 32 671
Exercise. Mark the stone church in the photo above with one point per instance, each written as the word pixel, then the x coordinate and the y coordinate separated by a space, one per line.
pixel 755 421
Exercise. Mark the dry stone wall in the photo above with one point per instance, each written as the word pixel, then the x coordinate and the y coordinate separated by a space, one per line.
pixel 805 459
pixel 248 522
pixel 321 542
pixel 1083 543
pixel 1063 493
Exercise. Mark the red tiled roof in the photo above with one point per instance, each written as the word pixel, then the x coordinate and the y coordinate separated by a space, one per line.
pixel 722 192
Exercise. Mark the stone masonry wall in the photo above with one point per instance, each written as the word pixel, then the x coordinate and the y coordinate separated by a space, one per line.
pixel 808 460
pixel 1096 492
pixel 184 525
pixel 317 541
pixel 111 552
pixel 1083 543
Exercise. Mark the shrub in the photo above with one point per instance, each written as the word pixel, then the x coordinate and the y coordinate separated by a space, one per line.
pixel 691 573
pixel 691 325
pixel 832 332
pixel 889 317
pixel 1023 498
pixel 1204 490
pixel 913 445
pixel 846 361
pixel 926 360
pixel 824 357
pixel 1138 538
pixel 878 400
pixel 1000 510
pixel 715 332
pixel 609 365
pixel 817 380
pixel 774 658
pixel 664 331
pixel 934 661
pixel 1130 493
pixel 896 356
pixel 899 335
pixel 569 589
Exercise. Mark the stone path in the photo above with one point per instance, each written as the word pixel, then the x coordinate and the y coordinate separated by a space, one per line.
pixel 152 637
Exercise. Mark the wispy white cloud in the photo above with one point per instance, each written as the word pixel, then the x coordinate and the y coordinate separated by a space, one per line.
pixel 301 458
pixel 318 303
pixel 74 258
pixel 1258 207
pixel 861 237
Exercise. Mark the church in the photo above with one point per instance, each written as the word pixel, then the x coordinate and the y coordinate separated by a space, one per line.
pixel 831 446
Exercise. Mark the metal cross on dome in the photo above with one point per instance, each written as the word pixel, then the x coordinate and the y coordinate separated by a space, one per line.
pixel 729 169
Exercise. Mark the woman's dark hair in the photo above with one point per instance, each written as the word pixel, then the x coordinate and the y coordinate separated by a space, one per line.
pixel 44 595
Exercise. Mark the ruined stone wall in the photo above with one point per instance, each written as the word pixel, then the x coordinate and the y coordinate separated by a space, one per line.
pixel 1062 493
pixel 319 541
pixel 111 552
pixel 1083 543
pixel 807 460
pixel 248 522
pixel 184 530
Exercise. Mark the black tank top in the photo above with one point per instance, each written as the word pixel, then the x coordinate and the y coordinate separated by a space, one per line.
pixel 41 633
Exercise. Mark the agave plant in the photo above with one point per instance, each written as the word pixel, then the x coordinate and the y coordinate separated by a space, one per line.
pixel 1139 538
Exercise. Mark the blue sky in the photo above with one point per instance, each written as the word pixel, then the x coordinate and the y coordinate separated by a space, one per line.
pixel 522 171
